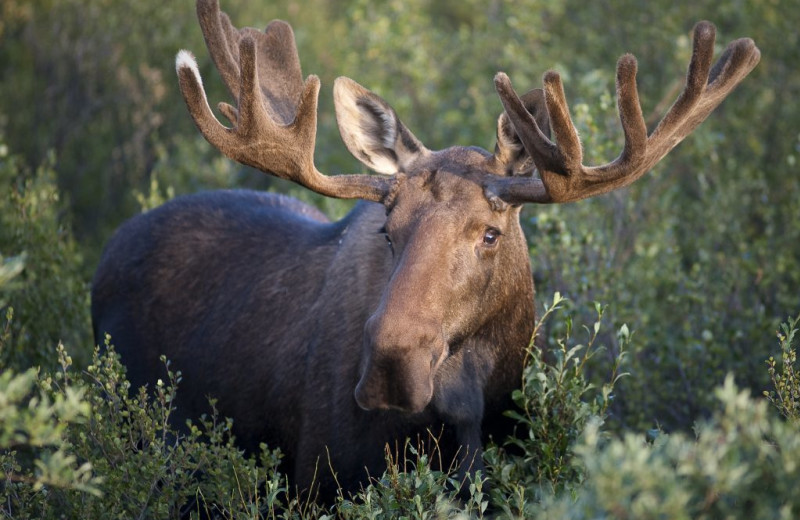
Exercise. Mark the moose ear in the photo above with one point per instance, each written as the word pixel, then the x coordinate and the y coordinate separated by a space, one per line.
pixel 509 150
pixel 371 129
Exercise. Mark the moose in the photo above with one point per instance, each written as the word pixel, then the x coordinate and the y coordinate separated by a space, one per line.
pixel 410 315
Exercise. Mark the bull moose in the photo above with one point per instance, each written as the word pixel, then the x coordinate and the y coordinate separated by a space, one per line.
pixel 413 312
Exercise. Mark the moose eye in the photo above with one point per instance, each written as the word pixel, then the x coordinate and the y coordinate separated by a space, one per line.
pixel 490 237
pixel 382 231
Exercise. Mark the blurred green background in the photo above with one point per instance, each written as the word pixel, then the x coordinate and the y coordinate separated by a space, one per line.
pixel 701 257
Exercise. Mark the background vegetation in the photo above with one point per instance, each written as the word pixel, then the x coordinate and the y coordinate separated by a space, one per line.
pixel 700 258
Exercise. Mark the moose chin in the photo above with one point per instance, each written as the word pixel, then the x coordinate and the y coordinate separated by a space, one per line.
pixel 411 315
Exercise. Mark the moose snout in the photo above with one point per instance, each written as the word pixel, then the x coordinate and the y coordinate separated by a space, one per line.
pixel 398 384
pixel 399 367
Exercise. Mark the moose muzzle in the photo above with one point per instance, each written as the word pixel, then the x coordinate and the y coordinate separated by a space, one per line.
pixel 399 365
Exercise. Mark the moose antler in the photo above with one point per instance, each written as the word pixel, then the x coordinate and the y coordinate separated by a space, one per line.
pixel 563 177
pixel 274 125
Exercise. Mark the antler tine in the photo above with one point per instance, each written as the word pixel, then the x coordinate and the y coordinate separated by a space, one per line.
pixel 280 75
pixel 563 177
pixel 738 59
pixel 275 122
pixel 222 41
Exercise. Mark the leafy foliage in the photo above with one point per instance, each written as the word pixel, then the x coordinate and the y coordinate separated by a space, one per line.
pixel 412 489
pixel 87 447
pixel 554 405
pixel 786 381
pixel 135 463
pixel 742 464
pixel 46 281
pixel 34 421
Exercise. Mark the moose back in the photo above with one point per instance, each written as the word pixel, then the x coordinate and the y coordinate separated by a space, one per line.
pixel 407 318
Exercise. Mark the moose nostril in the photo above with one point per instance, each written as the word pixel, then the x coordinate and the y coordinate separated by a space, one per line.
pixel 366 400
pixel 401 389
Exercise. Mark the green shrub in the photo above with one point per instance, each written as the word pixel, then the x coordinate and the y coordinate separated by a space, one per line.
pixel 118 456
pixel 743 463
pixel 9 269
pixel 786 382
pixel 412 489
pixel 48 291
pixel 85 446
pixel 33 425
pixel 554 405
